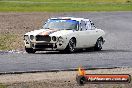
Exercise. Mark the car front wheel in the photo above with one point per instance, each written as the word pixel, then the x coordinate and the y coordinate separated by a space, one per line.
pixel 30 50
pixel 98 45
pixel 71 46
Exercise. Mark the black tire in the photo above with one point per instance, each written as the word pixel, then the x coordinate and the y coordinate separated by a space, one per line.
pixel 30 50
pixel 98 45
pixel 71 46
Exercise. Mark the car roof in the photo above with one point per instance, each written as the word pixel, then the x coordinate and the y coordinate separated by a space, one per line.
pixel 71 18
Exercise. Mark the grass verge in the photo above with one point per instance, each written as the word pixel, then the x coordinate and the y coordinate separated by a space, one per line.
pixel 9 41
pixel 71 0
pixel 2 86
pixel 65 6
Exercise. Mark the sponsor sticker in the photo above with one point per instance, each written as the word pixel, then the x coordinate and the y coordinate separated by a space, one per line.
pixel 83 78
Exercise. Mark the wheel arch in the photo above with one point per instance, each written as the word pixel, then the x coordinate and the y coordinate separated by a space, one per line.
pixel 67 47
pixel 101 37
pixel 75 39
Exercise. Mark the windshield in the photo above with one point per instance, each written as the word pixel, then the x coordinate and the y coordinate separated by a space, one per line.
pixel 61 24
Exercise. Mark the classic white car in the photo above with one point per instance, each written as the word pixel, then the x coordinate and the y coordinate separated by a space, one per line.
pixel 64 34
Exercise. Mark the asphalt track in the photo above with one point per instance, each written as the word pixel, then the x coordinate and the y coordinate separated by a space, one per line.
pixel 117 50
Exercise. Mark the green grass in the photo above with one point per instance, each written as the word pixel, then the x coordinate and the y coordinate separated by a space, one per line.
pixel 71 0
pixel 64 5
pixel 2 86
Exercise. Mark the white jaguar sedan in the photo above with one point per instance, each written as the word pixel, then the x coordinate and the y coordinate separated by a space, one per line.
pixel 64 34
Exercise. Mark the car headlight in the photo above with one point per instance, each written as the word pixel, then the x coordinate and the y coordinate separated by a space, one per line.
pixel 54 38
pixel 60 39
pixel 26 37
pixel 31 37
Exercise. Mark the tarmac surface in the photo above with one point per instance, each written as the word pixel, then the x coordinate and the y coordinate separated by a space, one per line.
pixel 117 50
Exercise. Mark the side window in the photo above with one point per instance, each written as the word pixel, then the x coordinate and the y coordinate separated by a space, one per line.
pixel 88 25
pixel 92 25
pixel 83 26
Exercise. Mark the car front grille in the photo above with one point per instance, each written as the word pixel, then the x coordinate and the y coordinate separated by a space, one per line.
pixel 43 38
pixel 43 46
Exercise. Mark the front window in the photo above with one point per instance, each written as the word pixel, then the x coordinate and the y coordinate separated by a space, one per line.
pixel 61 24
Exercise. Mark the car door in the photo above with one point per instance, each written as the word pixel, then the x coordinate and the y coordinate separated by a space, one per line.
pixel 82 35
pixel 92 34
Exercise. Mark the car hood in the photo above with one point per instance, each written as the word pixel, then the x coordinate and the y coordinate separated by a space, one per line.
pixel 50 32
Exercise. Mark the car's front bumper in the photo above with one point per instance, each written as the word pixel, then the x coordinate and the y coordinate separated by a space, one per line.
pixel 46 45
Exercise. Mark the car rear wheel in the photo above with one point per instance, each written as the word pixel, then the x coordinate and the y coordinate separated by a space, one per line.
pixel 98 45
pixel 71 46
pixel 30 50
